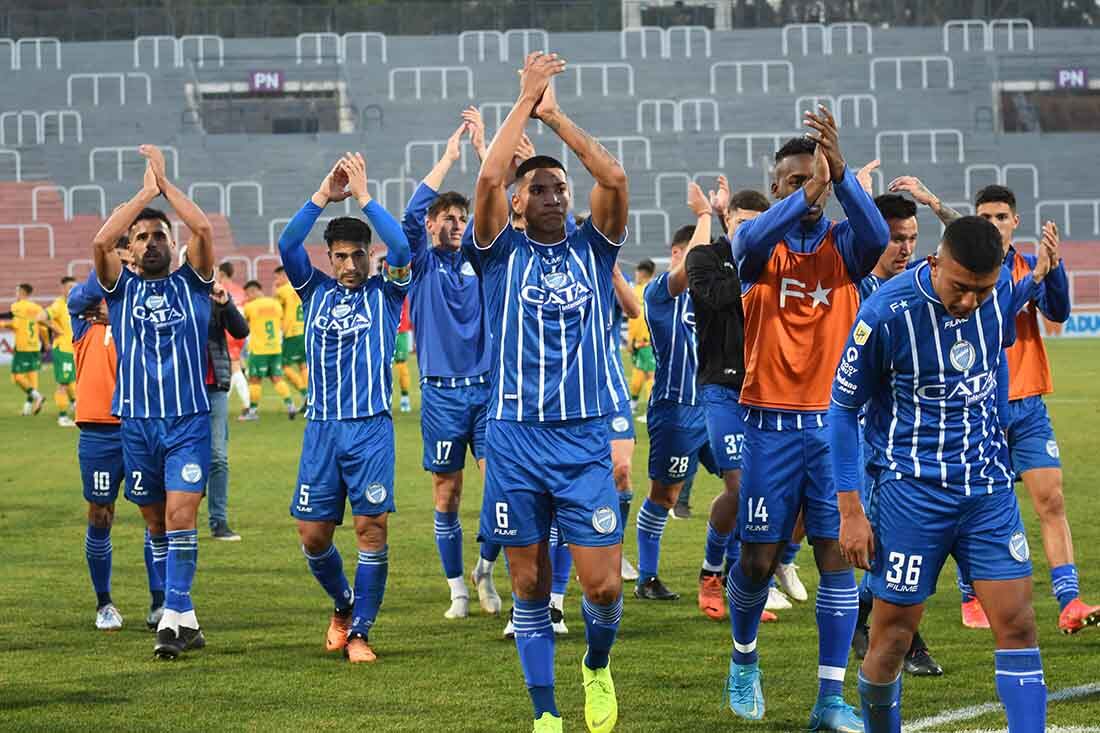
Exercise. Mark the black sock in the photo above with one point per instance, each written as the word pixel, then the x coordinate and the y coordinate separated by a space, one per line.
pixel 102 599
pixel 864 614
pixel 157 599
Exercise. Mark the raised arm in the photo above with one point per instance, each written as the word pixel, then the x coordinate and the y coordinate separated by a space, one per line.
pixel 451 154
pixel 398 253
pixel 700 206
pixel 108 265
pixel 292 250
pixel 200 250
pixel 624 293
pixel 1053 297
pixel 610 199
pixel 922 195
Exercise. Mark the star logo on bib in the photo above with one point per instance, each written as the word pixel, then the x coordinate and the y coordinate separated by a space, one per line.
pixel 820 295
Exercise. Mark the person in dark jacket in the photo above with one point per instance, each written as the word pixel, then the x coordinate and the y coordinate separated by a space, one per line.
pixel 224 317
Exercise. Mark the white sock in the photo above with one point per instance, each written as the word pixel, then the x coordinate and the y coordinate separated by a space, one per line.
pixel 170 620
pixel 238 384
pixel 187 618
pixel 484 567
pixel 711 568
pixel 458 587
pixel 557 600
pixel 36 394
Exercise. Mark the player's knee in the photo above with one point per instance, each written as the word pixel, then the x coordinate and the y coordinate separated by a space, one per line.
pixel 527 582
pixel 891 643
pixel 101 516
pixel 604 591
pixel 664 495
pixel 371 534
pixel 1017 628
pixel 448 491
pixel 757 564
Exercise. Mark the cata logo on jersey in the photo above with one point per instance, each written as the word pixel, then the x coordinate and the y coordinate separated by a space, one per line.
pixel 158 311
pixel 558 291
pixel 343 318
pixel 970 389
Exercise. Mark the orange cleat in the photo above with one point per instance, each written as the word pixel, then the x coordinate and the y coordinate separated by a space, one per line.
pixel 712 597
pixel 973 615
pixel 767 617
pixel 1077 616
pixel 336 638
pixel 358 651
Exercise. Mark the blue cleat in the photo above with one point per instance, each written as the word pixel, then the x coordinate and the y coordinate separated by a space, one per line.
pixel 744 693
pixel 833 714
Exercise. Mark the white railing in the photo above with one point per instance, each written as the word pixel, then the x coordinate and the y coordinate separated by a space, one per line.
pixel 605 70
pixel 933 136
pixel 156 41
pixel 417 73
pixel 688 32
pixel 805 30
pixel 1000 175
pixel 110 76
pixel 18 163
pixel 525 35
pixel 318 40
pixel 618 144
pixel 481 38
pixel 642 33
pixel 50 187
pixel 68 196
pixel 85 267
pixel 500 110
pixel 363 37
pixel 436 147
pixel 200 42
pixel 664 39
pixel 217 187
pixel 638 214
pixel 39 120
pixel 38 44
pixel 670 176
pixel 252 185
pixel 19 116
pixel 698 103
pixel 825 34
pixel 775 138
pixel 739 69
pixel 988 32
pixel 657 105
pixel 22 229
pixel 169 151
pixel 965 25
pixel 850 30
pixel 1076 304
pixel 924 61
pixel 1066 205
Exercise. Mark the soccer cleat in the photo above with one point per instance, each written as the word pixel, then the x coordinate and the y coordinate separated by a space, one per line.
pixel 168 644
pixel 789 582
pixel 776 600
pixel 358 651
pixel 27 408
pixel 291 411
pixel 652 589
pixel 680 511
pixel 487 596
pixel 973 615
pixel 1078 615
pixel 221 531
pixel 460 608
pixel 861 640
pixel 336 638
pixel 191 638
pixel 627 571
pixel 406 405
pixel 831 713
pixel 152 619
pixel 547 723
pixel 557 621
pixel 36 405
pixel 65 421
pixel 744 693
pixel 108 618
pixel 766 617
pixel 601 709
pixel 248 415
pixel 510 628
pixel 712 596
pixel 919 663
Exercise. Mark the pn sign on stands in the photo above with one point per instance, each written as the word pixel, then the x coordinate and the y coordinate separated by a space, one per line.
pixel 1073 78
pixel 265 81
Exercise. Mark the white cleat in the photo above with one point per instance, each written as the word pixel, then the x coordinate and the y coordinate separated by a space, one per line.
pixel 406 405
pixel 27 407
pixel 108 618
pixel 65 421
pixel 487 596
pixel 510 628
pixel 776 600
pixel 460 608
pixel 789 582
pixel 628 571
pixel 557 621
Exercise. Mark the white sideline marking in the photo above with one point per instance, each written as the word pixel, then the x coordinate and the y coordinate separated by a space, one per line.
pixel 1049 730
pixel 975 711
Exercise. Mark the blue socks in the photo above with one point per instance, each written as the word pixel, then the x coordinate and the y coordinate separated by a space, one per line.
pixel 715 549
pixel 651 522
pixel 535 644
pixel 1063 582
pixel 561 563
pixel 490 551
pixel 156 560
pixel 790 552
pixel 448 540
pixel 328 568
pixel 1022 689
pixel 746 602
pixel 965 589
pixel 370 586
pixel 881 705
pixel 601 625
pixel 183 558
pixel 733 550
pixel 97 549
pixel 837 610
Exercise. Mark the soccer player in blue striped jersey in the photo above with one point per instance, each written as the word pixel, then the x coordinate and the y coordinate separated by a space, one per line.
pixel 160 322
pixel 348 448
pixel 452 346
pixel 926 356
pixel 548 298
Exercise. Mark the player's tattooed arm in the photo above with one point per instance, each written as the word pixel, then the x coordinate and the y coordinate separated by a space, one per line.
pixel 922 195
pixel 200 250
pixel 108 264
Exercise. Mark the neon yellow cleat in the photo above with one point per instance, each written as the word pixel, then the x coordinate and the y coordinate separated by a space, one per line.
pixel 601 709
pixel 548 724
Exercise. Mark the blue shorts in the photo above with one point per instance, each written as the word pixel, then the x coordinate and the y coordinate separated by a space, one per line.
pixel 983 532
pixel 539 473
pixel 452 419
pixel 345 461
pixel 620 424
pixel 165 454
pixel 725 425
pixel 784 472
pixel 99 451
pixel 677 442
pixel 1031 442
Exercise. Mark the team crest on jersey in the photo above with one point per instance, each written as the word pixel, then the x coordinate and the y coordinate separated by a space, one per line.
pixel 157 310
pixel 343 318
pixel 962 355
pixel 376 493
pixel 1018 548
pixel 191 473
pixel 620 424
pixel 1052 448
pixel 467 269
pixel 558 291
pixel 604 520
pixel 861 334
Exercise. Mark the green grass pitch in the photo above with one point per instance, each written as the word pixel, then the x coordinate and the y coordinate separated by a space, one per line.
pixel 265 669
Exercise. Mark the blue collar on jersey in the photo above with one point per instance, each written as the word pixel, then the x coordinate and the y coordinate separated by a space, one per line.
pixel 1010 255
pixel 923 277
pixel 813 233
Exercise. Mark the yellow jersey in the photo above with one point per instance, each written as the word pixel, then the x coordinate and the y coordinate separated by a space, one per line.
pixel 58 311
pixel 637 332
pixel 26 326
pixel 294 322
pixel 265 317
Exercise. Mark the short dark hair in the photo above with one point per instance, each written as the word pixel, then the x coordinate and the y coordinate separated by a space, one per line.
pixel 749 200
pixel 996 194
pixel 800 145
pixel 150 213
pixel 538 161
pixel 974 243
pixel 280 270
pixel 68 279
pixel 683 235
pixel 253 284
pixel 449 200
pixel 226 268
pixel 646 265
pixel 895 206
pixel 347 229
pixel 26 287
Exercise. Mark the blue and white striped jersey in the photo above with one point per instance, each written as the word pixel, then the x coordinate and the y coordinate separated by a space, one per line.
pixel 548 308
pixel 160 329
pixel 930 382
pixel 615 352
pixel 671 324
pixel 869 284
